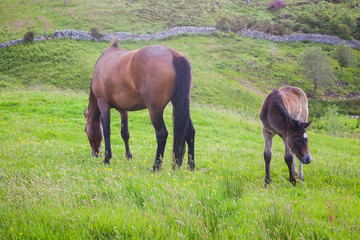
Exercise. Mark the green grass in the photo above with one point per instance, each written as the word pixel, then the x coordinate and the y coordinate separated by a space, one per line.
pixel 50 187
pixel 149 16
pixel 228 70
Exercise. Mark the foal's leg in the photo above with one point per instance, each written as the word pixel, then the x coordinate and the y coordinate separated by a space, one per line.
pixel 125 133
pixel 190 140
pixel 289 161
pixel 294 165
pixel 301 174
pixel 267 155
pixel 105 119
pixel 161 136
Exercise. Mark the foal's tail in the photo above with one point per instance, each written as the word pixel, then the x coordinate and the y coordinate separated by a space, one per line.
pixel 181 102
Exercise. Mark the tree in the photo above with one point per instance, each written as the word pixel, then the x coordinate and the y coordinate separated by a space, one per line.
pixel 317 67
pixel 344 56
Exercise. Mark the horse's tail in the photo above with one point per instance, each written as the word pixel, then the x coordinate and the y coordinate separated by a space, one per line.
pixel 181 103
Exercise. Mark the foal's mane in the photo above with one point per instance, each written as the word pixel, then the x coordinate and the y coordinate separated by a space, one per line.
pixel 279 103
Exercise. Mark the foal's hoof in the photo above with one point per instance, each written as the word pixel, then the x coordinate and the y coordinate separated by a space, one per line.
pixel 106 161
pixel 129 157
pixel 155 168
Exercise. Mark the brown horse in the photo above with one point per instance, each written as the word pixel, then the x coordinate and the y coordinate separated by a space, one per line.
pixel 285 112
pixel 150 78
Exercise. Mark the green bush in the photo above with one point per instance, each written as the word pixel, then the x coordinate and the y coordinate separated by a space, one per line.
pixel 343 26
pixel 234 24
pixel 335 123
pixel 308 19
pixel 29 36
pixel 95 32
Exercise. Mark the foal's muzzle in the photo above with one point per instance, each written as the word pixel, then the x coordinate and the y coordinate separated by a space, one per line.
pixel 306 159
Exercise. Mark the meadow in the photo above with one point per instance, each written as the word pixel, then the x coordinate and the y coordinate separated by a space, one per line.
pixel 51 187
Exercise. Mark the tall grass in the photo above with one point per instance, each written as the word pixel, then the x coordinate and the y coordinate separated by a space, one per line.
pixel 50 187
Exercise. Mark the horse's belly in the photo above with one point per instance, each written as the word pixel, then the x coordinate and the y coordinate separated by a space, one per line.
pixel 129 102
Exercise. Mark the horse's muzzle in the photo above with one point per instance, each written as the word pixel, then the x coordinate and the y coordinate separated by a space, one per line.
pixel 306 159
pixel 94 154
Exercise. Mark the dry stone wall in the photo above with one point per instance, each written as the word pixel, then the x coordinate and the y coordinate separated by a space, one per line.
pixel 123 36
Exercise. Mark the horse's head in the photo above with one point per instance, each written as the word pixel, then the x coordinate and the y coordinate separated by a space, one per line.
pixel 93 130
pixel 297 140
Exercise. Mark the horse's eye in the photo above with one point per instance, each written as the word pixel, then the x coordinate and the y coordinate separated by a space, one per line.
pixel 298 140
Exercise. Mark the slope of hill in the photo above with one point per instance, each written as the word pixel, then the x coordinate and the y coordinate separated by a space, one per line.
pixel 333 17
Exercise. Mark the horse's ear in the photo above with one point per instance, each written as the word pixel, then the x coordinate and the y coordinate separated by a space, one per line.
pixel 86 113
pixel 306 124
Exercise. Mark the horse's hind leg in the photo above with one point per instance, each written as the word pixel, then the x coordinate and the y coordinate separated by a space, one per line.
pixel 161 136
pixel 105 120
pixel 125 133
pixel 190 140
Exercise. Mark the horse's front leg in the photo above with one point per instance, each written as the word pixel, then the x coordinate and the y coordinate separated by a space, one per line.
pixel 190 140
pixel 105 119
pixel 125 133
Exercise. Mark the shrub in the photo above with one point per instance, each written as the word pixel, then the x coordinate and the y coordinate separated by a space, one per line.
pixel 29 36
pixel 262 26
pixel 276 4
pixel 308 19
pixel 95 32
pixel 234 24
pixel 317 67
pixel 343 26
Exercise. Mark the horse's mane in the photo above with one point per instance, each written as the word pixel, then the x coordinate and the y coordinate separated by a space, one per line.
pixel 93 106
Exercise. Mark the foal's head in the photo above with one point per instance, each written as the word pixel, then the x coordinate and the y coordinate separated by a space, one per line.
pixel 93 129
pixel 297 140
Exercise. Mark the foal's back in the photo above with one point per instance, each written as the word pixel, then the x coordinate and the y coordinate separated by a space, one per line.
pixel 295 102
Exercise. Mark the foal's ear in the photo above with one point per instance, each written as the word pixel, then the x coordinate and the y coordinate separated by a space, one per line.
pixel 86 113
pixel 306 124
pixel 295 125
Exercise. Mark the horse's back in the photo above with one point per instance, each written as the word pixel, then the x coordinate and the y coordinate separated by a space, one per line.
pixel 133 80
pixel 153 73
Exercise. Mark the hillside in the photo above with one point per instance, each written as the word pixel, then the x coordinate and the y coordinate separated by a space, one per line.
pixel 333 17
pixel 229 70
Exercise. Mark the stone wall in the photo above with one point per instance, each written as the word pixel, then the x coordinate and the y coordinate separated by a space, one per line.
pixel 122 36
pixel 299 37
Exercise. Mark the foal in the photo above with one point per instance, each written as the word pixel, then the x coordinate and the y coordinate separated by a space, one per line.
pixel 285 112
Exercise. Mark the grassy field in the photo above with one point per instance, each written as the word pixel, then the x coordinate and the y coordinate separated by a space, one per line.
pixel 149 16
pixel 229 71
pixel 50 187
